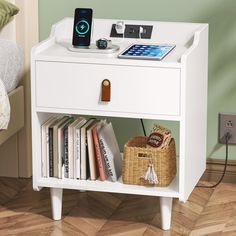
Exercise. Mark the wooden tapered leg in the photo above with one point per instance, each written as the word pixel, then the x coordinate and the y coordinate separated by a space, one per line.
pixel 165 207
pixel 56 202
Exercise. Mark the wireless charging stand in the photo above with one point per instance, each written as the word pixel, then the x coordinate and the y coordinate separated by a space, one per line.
pixel 93 49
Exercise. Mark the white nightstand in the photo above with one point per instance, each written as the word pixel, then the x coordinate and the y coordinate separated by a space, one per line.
pixel 175 89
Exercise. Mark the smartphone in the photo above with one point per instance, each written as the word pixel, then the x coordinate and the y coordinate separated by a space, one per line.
pixel 82 27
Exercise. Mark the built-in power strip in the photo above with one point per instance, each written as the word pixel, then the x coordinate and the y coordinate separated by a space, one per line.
pixel 133 31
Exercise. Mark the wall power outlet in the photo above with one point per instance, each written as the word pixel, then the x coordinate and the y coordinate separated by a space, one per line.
pixel 227 123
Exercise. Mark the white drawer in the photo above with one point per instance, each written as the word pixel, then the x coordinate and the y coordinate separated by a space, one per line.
pixel 143 90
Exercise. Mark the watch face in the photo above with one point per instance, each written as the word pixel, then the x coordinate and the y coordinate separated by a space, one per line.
pixel 102 44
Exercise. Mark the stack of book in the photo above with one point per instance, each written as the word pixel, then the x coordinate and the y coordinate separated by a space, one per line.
pixel 78 148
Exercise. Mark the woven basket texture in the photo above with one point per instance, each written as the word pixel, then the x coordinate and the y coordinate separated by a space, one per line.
pixel 137 158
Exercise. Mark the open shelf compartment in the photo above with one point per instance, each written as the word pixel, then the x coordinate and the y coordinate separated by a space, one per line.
pixel 113 187
pixel 90 185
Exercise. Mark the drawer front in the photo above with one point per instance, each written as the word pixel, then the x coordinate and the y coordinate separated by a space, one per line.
pixel 143 90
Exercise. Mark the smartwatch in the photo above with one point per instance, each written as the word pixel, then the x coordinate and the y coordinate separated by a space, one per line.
pixel 103 43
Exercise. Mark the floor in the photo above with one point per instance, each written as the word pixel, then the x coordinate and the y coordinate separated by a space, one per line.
pixel 25 212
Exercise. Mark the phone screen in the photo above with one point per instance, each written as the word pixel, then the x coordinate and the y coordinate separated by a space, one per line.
pixel 82 26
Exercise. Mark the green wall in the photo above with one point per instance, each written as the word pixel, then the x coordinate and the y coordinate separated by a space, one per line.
pixel 220 14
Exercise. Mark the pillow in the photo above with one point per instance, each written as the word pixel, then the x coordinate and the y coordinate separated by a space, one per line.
pixel 7 10
pixel 11 62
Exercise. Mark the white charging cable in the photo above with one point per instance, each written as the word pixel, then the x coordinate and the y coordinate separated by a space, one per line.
pixel 141 31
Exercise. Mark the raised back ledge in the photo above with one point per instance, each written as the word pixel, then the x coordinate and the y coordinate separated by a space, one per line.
pixel 163 32
pixel 185 35
pixel 197 42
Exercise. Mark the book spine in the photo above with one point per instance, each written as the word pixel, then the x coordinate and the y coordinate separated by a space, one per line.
pixel 63 155
pixel 43 150
pixel 83 155
pixel 87 169
pixel 66 157
pixel 101 166
pixel 70 153
pixel 77 155
pixel 60 153
pixel 107 160
pixel 92 166
pixel 55 153
pixel 51 172
pixel 47 152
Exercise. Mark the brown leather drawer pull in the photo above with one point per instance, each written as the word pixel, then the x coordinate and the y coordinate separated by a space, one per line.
pixel 106 90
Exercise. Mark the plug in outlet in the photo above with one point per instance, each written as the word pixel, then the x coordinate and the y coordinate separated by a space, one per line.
pixel 132 31
pixel 227 123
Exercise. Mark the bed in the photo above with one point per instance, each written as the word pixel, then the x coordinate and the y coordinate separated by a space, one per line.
pixel 15 141
pixel 11 66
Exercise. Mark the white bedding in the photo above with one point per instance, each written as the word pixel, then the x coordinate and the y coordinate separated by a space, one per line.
pixel 11 61
pixel 4 107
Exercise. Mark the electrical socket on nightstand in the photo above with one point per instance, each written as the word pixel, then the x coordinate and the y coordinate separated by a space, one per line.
pixel 133 31
pixel 227 124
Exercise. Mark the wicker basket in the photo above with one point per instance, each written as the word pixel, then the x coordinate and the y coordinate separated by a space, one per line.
pixel 137 158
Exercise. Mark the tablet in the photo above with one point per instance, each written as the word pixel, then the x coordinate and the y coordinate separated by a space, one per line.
pixel 147 51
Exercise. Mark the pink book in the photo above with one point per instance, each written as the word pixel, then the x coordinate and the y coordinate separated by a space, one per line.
pixel 98 154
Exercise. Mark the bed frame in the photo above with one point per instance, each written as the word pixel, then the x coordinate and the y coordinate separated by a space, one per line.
pixel 15 149
pixel 16 98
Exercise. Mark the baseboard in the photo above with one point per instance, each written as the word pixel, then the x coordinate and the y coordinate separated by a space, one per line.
pixel 214 170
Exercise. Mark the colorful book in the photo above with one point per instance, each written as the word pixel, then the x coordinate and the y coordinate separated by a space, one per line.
pixel 91 153
pixel 51 148
pixel 77 151
pixel 84 164
pixel 45 146
pixel 59 122
pixel 65 157
pixel 60 138
pixel 98 154
pixel 71 128
pixel 110 151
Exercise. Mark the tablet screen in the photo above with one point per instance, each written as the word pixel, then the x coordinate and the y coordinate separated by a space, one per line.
pixel 146 51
